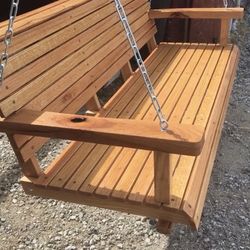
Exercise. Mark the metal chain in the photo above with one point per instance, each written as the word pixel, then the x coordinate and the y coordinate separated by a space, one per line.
pixel 8 38
pixel 141 65
pixel 225 3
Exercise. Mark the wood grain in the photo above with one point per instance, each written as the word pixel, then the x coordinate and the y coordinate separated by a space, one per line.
pixel 198 13
pixel 182 139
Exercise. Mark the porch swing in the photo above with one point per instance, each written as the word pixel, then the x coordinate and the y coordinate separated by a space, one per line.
pixel 120 158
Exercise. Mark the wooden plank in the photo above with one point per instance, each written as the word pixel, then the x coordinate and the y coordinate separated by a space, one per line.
pixel 215 116
pixel 115 36
pixel 185 164
pixel 130 96
pixel 183 139
pixel 189 116
pixel 171 66
pixel 203 117
pixel 113 176
pixel 224 32
pixel 210 163
pixel 80 198
pixel 182 170
pixel 164 226
pixel 152 45
pixel 33 61
pixel 93 104
pixel 39 15
pixel 162 177
pixel 39 10
pixel 69 12
pixel 126 71
pixel 198 13
pixel 176 96
pixel 151 115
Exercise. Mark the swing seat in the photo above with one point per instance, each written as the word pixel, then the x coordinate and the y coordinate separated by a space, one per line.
pixel 118 159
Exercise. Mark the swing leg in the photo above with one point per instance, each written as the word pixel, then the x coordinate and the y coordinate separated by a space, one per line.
pixel 164 226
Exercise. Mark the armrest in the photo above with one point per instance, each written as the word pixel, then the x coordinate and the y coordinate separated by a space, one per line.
pixel 179 139
pixel 198 13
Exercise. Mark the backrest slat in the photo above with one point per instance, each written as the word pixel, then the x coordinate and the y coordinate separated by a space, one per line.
pixel 72 57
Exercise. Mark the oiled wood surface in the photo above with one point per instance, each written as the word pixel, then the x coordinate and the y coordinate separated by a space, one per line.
pixel 191 82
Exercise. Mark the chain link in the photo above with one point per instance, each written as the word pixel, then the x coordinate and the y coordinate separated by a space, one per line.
pixel 141 65
pixel 8 38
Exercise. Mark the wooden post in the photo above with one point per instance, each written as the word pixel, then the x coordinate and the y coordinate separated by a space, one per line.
pixel 151 44
pixel 93 104
pixel 224 30
pixel 31 167
pixel 162 177
pixel 126 71
pixel 164 226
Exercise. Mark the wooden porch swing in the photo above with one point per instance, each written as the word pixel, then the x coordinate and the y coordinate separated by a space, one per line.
pixel 119 159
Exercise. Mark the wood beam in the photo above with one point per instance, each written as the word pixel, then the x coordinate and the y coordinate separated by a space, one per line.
pixel 152 45
pixel 164 227
pixel 224 31
pixel 198 13
pixel 93 104
pixel 162 177
pixel 126 71
pixel 180 139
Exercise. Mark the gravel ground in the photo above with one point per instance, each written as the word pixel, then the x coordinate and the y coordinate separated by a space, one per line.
pixel 33 223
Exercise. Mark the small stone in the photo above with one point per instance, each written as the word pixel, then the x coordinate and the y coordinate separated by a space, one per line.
pixel 120 246
pixel 70 248
pixel 57 238
pixel 206 240
pixel 14 201
pixel 72 217
pixel 148 242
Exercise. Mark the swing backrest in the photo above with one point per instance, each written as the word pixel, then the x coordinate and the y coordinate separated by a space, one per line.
pixel 62 55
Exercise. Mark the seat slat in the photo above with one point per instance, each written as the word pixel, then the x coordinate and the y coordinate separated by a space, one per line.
pixel 129 111
pixel 150 115
pixel 139 96
pixel 209 100
pixel 232 66
pixel 116 112
pixel 104 112
pixel 176 116
pixel 169 103
pixel 152 63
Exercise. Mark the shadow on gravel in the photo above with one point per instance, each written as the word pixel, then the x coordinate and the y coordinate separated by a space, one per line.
pixel 7 179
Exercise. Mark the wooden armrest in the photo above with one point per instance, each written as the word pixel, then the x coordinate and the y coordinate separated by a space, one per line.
pixel 198 13
pixel 179 139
